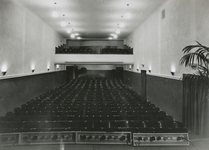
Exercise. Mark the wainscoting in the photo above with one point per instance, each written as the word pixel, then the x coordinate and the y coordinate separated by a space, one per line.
pixel 165 93
pixel 18 90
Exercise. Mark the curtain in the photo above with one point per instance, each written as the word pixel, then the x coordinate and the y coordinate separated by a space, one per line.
pixel 196 104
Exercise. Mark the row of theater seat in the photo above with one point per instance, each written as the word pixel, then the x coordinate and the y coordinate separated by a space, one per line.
pixel 117 51
pixel 87 104
pixel 73 51
pixel 90 51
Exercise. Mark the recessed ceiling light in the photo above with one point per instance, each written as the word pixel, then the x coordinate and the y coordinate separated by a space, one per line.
pixel 110 38
pixel 117 31
pixel 54 14
pixel 63 24
pixel 76 34
pixel 72 36
pixel 78 38
pixel 122 25
pixel 128 15
pixel 115 36
pixel 68 31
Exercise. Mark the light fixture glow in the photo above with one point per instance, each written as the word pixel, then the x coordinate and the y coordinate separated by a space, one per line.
pixel 117 31
pixel 68 31
pixel 130 67
pixel 128 14
pixel 58 67
pixel 115 36
pixel 55 13
pixel 63 23
pixel 72 35
pixel 76 34
pixel 4 68
pixel 78 38
pixel 122 25
pixel 110 38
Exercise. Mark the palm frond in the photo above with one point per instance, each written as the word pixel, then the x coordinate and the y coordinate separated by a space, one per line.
pixel 204 47
pixel 203 71
pixel 199 55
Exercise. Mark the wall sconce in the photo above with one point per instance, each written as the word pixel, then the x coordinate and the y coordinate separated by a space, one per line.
pixel 33 70
pixel 149 70
pixel 130 67
pixel 172 73
pixel 58 67
pixel 48 69
pixel 4 72
pixel 143 65
pixel 137 69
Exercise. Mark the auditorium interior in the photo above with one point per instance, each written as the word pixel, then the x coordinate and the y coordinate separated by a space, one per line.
pixel 101 74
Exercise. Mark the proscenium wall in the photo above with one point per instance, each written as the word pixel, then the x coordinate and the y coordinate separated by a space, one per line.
pixel 158 42
pixel 26 41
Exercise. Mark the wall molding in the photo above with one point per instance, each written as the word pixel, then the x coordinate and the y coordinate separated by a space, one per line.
pixel 26 74
pixel 158 75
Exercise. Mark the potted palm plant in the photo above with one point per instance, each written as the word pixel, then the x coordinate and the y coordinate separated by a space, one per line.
pixel 196 89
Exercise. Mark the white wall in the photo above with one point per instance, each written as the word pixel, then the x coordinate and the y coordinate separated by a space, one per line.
pixel 158 42
pixel 25 40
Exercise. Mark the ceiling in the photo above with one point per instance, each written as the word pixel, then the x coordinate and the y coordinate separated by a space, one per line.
pixel 93 19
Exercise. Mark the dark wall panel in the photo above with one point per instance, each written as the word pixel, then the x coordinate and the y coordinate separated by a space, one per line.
pixel 16 91
pixel 133 80
pixel 163 92
pixel 166 94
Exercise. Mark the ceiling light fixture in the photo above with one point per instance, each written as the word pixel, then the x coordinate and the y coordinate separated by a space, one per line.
pixel 55 13
pixel 115 36
pixel 63 23
pixel 110 38
pixel 68 31
pixel 122 25
pixel 72 35
pixel 76 34
pixel 117 31
pixel 78 38
pixel 128 14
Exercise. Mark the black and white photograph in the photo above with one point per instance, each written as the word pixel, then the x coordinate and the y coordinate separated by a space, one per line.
pixel 104 74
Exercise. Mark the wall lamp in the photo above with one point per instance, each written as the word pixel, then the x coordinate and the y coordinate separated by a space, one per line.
pixel 130 67
pixel 48 69
pixel 33 70
pixel 150 70
pixel 172 73
pixel 143 65
pixel 57 67
pixel 4 72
